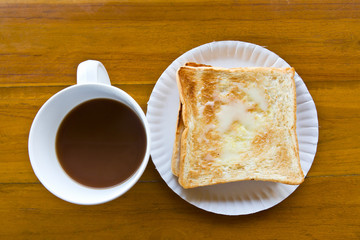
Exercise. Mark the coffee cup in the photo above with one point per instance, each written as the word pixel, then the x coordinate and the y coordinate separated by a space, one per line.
pixel 92 83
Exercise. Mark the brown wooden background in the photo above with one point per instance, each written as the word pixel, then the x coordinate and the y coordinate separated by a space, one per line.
pixel 42 42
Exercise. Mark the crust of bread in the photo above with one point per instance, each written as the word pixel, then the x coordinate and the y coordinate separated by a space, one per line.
pixel 192 64
pixel 260 141
pixel 175 160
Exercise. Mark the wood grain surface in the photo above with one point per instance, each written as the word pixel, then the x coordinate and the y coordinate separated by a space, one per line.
pixel 42 42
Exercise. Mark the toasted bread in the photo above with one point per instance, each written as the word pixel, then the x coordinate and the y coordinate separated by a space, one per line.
pixel 238 124
pixel 175 161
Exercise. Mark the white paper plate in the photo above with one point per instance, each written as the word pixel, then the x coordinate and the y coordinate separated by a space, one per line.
pixel 236 198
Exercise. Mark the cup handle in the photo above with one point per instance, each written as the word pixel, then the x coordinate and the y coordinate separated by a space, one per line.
pixel 92 71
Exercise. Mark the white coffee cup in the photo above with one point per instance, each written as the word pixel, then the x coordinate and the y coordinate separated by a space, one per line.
pixel 92 82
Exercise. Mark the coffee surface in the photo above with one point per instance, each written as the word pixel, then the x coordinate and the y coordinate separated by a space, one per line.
pixel 101 143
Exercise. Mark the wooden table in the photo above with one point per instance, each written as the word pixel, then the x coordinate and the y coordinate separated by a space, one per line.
pixel 42 42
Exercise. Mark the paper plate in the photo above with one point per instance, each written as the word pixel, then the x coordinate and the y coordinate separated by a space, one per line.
pixel 237 198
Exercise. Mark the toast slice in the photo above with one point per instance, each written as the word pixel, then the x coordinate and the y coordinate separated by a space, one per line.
pixel 238 124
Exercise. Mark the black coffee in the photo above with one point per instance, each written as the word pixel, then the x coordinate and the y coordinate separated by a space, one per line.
pixel 101 143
